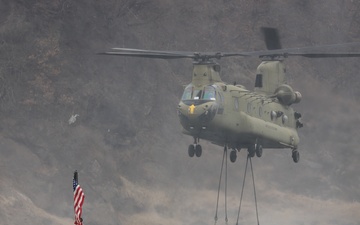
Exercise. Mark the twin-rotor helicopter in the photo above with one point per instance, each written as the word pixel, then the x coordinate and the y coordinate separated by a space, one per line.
pixel 232 116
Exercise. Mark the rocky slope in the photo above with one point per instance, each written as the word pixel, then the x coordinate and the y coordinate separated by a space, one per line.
pixel 126 142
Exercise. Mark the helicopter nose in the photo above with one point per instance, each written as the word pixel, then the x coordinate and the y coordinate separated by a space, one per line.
pixel 195 115
pixel 193 112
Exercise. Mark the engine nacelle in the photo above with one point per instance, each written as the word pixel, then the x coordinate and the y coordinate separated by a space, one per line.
pixel 287 95
pixel 298 97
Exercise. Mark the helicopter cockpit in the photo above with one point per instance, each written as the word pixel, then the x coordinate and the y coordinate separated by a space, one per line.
pixel 193 95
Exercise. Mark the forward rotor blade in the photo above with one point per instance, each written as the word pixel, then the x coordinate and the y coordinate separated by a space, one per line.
pixel 147 55
pixel 152 51
pixel 169 54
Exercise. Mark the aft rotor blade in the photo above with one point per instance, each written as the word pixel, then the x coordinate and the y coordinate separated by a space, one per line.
pixel 313 51
pixel 272 39
pixel 326 55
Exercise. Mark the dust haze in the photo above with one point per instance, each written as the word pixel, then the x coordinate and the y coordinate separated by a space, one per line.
pixel 127 143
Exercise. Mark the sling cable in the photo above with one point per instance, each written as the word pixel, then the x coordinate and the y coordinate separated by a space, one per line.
pixel 224 159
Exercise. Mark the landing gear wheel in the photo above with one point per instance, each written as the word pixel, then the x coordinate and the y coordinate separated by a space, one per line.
pixel 251 151
pixel 191 150
pixel 233 156
pixel 258 150
pixel 295 156
pixel 198 150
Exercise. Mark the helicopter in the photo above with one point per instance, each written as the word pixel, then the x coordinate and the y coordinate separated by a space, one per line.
pixel 231 116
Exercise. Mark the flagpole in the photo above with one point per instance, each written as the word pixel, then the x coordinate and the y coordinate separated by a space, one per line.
pixel 76 176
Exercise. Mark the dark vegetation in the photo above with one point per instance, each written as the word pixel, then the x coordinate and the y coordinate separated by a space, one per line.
pixel 127 143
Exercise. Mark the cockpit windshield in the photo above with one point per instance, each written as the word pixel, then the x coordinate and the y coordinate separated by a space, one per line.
pixel 208 93
pixel 187 93
pixel 197 94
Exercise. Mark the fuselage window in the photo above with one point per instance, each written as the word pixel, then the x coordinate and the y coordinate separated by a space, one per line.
pixel 236 104
pixel 249 107
pixel 284 119
pixel 220 98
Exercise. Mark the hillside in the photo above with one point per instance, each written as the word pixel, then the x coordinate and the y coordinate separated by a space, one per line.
pixel 127 143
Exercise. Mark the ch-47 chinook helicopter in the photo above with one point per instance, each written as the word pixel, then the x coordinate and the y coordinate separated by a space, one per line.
pixel 232 116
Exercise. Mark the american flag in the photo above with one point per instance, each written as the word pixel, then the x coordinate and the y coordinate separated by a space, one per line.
pixel 78 200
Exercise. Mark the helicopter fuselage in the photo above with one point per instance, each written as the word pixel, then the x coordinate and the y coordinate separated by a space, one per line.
pixel 230 115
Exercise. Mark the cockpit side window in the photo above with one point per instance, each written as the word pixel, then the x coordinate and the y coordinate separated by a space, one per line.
pixel 209 93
